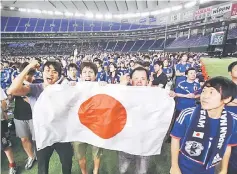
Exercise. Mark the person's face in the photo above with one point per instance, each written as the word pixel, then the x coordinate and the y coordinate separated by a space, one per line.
pixel 72 71
pixel 211 99
pixel 111 60
pixel 192 75
pixel 50 75
pixel 147 60
pixel 122 65
pixel 97 64
pixel 132 64
pixel 5 65
pixel 29 78
pixel 184 58
pixel 88 74
pixel 111 68
pixel 234 72
pixel 190 60
pixel 139 78
pixel 166 63
pixel 157 68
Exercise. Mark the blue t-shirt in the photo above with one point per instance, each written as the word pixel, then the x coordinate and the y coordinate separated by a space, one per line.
pixel 15 73
pixel 6 78
pixel 181 68
pixel 186 88
pixel 101 76
pixel 113 80
pixel 167 70
pixel 181 125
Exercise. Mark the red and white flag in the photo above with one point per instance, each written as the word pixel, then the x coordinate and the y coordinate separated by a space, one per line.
pixel 198 134
pixel 134 120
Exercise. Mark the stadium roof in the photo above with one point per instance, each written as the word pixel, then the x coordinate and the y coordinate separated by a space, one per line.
pixel 96 6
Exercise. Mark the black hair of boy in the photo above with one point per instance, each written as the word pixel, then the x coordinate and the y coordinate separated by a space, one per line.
pixel 57 66
pixel 159 62
pixel 231 66
pixel 72 65
pixel 91 65
pixel 224 86
pixel 190 69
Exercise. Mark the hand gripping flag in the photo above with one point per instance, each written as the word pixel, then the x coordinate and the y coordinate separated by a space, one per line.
pixel 134 120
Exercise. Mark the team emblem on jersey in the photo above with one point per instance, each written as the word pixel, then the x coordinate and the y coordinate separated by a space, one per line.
pixel 195 88
pixel 168 71
pixel 193 148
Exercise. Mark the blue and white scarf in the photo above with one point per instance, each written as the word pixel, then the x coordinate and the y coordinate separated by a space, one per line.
pixel 199 146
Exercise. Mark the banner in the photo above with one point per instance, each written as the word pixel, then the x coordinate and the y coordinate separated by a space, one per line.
pixel 153 19
pixel 218 11
pixel 187 15
pixel 202 13
pixel 131 119
pixel 234 11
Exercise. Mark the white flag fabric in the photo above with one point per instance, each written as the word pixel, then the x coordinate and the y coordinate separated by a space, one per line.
pixel 131 119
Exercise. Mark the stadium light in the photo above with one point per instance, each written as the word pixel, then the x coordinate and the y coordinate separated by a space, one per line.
pixel 68 14
pixel 50 12
pixel 12 8
pixel 44 12
pixel 155 12
pixel 137 15
pixel 190 4
pixel 176 8
pixel 29 10
pixel 108 16
pixel 119 16
pixel 22 9
pixel 78 14
pixel 89 15
pixel 36 11
pixel 58 13
pixel 204 1
pixel 145 14
pixel 99 16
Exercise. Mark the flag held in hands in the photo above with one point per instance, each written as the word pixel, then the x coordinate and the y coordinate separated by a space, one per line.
pixel 134 120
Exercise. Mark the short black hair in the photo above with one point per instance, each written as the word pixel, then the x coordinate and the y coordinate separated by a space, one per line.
pixel 140 69
pixel 159 62
pixel 147 57
pixel 231 66
pixel 72 65
pixel 146 64
pixel 22 67
pixel 90 65
pixel 57 66
pixel 224 86
pixel 190 69
pixel 98 60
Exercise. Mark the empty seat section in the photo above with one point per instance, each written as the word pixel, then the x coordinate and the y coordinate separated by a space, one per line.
pixel 12 24
pixel 125 26
pixel 97 25
pixel 72 25
pixel 56 26
pixel 147 45
pixel 32 24
pixel 64 25
pixel 88 25
pixel 40 25
pixel 134 27
pixel 106 26
pixel 128 46
pixel 137 45
pixel 119 46
pixel 79 24
pixel 3 23
pixel 111 46
pixel 48 25
pixel 115 26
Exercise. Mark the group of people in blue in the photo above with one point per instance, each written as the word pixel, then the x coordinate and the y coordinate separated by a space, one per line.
pixel 204 131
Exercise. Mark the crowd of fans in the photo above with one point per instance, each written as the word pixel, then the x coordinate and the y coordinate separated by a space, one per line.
pixel 23 78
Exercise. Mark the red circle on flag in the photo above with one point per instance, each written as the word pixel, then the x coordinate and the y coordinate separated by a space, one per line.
pixel 103 115
pixel 198 134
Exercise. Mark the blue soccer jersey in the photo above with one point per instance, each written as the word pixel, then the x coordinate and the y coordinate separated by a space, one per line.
pixel 181 68
pixel 101 76
pixel 181 125
pixel 187 88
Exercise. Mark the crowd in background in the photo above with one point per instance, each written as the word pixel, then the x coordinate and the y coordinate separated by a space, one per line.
pixel 180 73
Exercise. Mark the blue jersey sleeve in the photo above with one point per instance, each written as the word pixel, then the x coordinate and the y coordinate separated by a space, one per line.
pixel 233 139
pixel 182 123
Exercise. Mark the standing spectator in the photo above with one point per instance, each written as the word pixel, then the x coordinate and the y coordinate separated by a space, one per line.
pixel 72 72
pixel 51 75
pixel 23 120
pixel 159 78
pixel 113 76
pixel 88 73
pixel 101 75
pixel 5 142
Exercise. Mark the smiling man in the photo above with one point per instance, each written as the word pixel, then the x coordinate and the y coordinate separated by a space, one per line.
pixel 51 75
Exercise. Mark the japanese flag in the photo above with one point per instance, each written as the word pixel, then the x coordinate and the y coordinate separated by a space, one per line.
pixel 198 134
pixel 134 120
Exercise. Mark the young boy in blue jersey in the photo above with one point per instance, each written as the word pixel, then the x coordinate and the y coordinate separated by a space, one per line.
pixel 203 135
pixel 187 92
pixel 167 69
pixel 232 107
pixel 101 75
pixel 72 73
pixel 180 69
